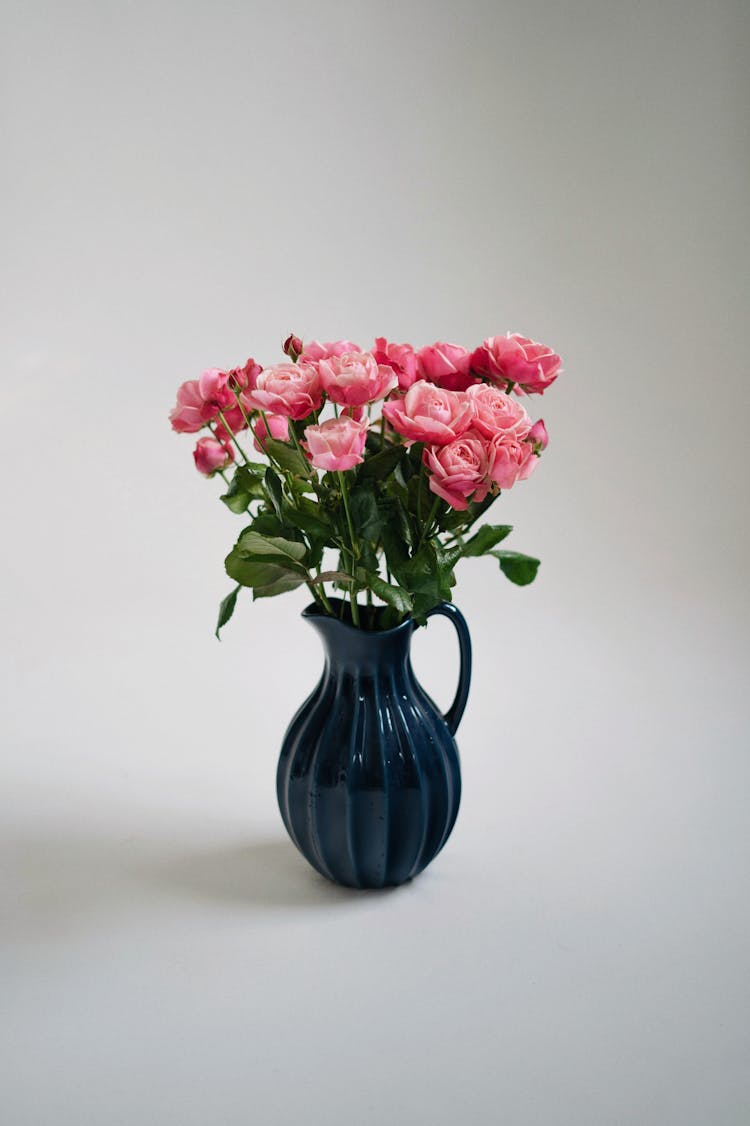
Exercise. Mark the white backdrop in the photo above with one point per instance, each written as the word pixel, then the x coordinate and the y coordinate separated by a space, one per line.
pixel 186 184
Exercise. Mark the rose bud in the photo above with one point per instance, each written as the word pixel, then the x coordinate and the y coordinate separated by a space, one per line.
pixel 538 436
pixel 293 347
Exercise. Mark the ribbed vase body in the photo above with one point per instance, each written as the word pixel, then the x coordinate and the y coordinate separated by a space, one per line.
pixel 368 779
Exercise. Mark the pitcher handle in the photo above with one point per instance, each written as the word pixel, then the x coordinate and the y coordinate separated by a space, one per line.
pixel 453 716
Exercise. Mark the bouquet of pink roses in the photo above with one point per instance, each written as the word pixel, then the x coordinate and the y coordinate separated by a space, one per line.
pixel 388 457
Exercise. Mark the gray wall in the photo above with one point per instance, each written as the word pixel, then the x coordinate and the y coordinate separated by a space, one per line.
pixel 187 183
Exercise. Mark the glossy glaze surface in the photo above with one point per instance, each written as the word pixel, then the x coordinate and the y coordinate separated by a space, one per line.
pixel 368 780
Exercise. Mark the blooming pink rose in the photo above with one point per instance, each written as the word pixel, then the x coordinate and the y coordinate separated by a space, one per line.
pixel 538 436
pixel 429 414
pixel 211 456
pixel 213 385
pixel 314 350
pixel 510 461
pixel 190 413
pixel 496 412
pixel 447 365
pixel 401 357
pixel 459 471
pixel 518 360
pixel 336 444
pixel 278 427
pixel 355 378
pixel 289 389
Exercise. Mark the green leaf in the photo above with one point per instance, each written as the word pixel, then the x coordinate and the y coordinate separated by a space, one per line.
pixel 379 465
pixel 287 457
pixel 261 572
pixel 244 487
pixel 520 569
pixel 273 490
pixel 226 609
pixel 485 539
pixel 394 596
pixel 280 585
pixel 251 543
pixel 309 517
pixel 366 516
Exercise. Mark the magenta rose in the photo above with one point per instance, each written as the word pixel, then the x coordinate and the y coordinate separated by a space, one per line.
pixel 515 359
pixel 278 427
pixel 355 378
pixel 445 364
pixel 459 471
pixel 401 357
pixel 538 436
pixel 510 461
pixel 495 412
pixel 314 350
pixel 289 389
pixel 336 444
pixel 235 423
pixel 430 414
pixel 211 456
pixel 293 347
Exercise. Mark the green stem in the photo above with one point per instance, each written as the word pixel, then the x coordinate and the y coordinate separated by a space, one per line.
pixel 430 519
pixel 233 436
pixel 355 553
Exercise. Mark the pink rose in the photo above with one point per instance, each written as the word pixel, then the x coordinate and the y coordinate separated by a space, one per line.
pixel 401 357
pixel 278 427
pixel 293 347
pixel 315 351
pixel 211 456
pixel 445 364
pixel 496 412
pixel 200 400
pixel 510 461
pixel 190 413
pixel 538 436
pixel 458 471
pixel 429 414
pixel 289 389
pixel 518 360
pixel 336 444
pixel 245 377
pixel 355 378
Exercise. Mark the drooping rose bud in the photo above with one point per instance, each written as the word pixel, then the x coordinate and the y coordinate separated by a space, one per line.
pixel 211 456
pixel 293 347
pixel 538 436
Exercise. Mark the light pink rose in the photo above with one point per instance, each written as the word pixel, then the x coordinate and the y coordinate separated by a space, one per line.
pixel 355 378
pixel 427 413
pixel 401 357
pixel 459 471
pixel 538 436
pixel 496 412
pixel 289 389
pixel 200 400
pixel 518 360
pixel 336 444
pixel 445 364
pixel 314 350
pixel 278 427
pixel 510 461
pixel 211 456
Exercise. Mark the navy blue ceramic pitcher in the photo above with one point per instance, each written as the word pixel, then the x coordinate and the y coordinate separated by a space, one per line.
pixel 369 781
